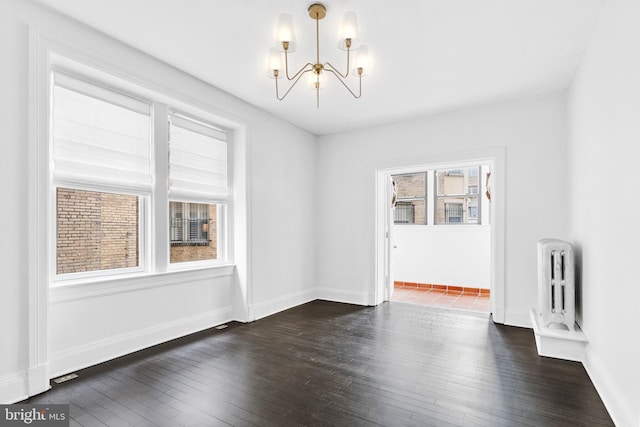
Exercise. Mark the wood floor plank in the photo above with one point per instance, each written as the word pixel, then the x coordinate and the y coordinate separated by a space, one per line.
pixel 332 364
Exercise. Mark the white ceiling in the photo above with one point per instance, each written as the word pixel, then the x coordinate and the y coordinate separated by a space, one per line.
pixel 427 56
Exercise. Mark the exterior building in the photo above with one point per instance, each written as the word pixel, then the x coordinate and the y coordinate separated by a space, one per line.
pixel 457 196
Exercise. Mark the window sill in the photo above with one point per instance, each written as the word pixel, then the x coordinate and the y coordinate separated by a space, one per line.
pixel 94 287
pixel 450 227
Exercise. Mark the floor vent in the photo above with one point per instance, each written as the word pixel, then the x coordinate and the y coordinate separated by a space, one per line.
pixel 65 378
pixel 222 327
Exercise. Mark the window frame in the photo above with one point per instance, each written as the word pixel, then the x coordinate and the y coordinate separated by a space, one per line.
pixel 474 170
pixel 143 220
pixel 222 202
pixel 153 240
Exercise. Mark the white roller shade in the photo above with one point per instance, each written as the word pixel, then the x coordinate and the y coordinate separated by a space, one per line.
pixel 197 161
pixel 100 136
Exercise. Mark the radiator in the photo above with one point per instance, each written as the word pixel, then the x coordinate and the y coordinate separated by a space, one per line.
pixel 556 285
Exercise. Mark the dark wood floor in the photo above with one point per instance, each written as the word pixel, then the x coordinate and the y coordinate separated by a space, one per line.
pixel 335 364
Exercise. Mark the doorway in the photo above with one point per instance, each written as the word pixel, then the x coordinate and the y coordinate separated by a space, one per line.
pixel 441 237
pixel 456 257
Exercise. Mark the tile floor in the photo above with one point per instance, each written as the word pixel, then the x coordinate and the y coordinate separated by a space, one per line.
pixel 438 297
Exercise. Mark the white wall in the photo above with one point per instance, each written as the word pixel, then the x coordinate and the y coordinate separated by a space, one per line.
pixel 89 324
pixel 283 220
pixel 446 255
pixel 533 132
pixel 604 131
pixel 14 358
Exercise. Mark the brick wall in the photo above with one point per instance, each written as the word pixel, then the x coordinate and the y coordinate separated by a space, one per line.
pixel 413 185
pixel 96 231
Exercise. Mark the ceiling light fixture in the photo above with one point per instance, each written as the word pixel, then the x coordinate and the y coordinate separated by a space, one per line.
pixel 348 41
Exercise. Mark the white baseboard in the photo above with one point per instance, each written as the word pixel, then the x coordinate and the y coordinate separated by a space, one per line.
pixel 617 404
pixel 100 351
pixel 497 314
pixel 17 387
pixel 349 297
pixel 38 379
pixel 276 305
pixel 518 318
pixel 13 388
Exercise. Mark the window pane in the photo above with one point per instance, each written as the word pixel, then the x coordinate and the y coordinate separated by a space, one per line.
pixel 193 231
pixel 411 185
pixel 410 205
pixel 409 212
pixel 457 196
pixel 96 231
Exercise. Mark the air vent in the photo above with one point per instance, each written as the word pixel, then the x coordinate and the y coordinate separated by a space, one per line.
pixel 65 378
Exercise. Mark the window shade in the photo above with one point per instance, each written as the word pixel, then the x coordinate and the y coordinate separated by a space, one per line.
pixel 100 136
pixel 197 161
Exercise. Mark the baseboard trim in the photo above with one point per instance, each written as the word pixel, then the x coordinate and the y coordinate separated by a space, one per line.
pixel 38 379
pixel 13 388
pixel 349 297
pixel 520 319
pixel 110 348
pixel 617 404
pixel 276 305
pixel 20 386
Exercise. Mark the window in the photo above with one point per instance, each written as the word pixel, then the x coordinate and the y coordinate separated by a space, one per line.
pixel 190 223
pixel 473 212
pixel 105 160
pixel 96 231
pixel 453 213
pixel 193 231
pixel 197 172
pixel 456 199
pixel 457 196
pixel 100 138
pixel 405 213
pixel 410 206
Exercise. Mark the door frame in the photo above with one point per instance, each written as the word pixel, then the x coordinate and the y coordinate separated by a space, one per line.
pixel 496 158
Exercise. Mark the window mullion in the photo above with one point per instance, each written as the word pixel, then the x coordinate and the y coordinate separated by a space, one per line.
pixel 159 236
pixel 430 198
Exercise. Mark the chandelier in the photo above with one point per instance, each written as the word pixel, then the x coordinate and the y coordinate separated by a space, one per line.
pixel 348 42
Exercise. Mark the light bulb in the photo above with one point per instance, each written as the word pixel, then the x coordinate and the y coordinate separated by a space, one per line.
pixel 362 61
pixel 349 30
pixel 285 32
pixel 316 81
pixel 274 62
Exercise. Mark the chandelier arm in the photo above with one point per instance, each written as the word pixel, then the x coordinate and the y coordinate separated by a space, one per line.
pixel 299 74
pixel 347 87
pixel 286 67
pixel 336 71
